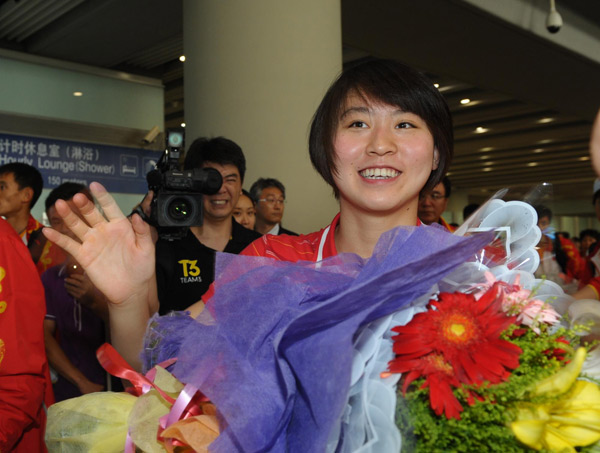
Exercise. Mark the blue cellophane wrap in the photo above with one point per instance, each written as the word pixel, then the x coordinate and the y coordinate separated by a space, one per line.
pixel 274 349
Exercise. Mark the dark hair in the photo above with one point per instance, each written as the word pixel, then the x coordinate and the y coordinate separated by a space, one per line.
pixel 595 196
pixel 219 150
pixel 66 191
pixel 264 183
pixel 447 186
pixel 25 176
pixel 469 209
pixel 389 82
pixel 245 192
pixel 543 211
pixel 589 232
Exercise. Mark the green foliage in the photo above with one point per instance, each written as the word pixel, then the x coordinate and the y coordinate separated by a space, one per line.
pixel 484 426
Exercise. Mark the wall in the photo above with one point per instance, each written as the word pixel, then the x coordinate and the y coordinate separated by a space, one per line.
pixel 116 108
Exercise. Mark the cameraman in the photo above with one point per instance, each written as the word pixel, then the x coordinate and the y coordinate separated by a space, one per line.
pixel 185 268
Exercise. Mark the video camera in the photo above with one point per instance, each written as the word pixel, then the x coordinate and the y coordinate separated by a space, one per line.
pixel 177 202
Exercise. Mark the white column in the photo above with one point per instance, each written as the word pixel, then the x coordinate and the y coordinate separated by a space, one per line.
pixel 255 72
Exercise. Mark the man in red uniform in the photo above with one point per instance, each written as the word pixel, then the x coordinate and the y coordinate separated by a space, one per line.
pixel 20 187
pixel 23 365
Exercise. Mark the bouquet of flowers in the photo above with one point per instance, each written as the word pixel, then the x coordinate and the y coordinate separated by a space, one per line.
pixel 493 369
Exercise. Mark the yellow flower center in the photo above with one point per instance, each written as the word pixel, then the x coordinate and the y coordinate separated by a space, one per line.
pixel 458 328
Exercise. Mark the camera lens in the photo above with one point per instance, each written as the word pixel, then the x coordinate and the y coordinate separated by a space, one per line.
pixel 179 209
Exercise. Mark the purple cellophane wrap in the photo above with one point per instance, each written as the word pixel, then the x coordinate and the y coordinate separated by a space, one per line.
pixel 274 349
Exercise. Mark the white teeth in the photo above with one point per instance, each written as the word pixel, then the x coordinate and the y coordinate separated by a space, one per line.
pixel 379 173
pixel 218 201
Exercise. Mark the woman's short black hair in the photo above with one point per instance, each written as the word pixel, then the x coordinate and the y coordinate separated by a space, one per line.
pixel 389 82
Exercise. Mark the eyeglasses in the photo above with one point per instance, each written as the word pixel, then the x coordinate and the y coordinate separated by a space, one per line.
pixel 434 196
pixel 273 201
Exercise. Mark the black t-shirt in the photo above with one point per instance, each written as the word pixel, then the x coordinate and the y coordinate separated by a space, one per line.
pixel 185 267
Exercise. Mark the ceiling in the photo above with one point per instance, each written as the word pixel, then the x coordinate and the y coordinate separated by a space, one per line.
pixel 535 100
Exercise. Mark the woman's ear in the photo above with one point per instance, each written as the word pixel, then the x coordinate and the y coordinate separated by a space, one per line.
pixel 436 159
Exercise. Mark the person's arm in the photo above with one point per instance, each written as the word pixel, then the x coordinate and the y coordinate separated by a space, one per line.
pixel 61 363
pixel 589 291
pixel 118 257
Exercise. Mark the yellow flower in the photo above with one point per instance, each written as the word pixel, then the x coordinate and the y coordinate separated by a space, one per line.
pixel 562 425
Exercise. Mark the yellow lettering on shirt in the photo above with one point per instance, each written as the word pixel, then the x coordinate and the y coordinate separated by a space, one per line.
pixel 189 268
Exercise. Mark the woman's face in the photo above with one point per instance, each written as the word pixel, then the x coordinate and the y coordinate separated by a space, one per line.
pixel 384 157
pixel 244 212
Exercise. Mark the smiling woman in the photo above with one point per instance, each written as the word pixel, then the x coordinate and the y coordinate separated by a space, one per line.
pixel 379 117
pixel 381 134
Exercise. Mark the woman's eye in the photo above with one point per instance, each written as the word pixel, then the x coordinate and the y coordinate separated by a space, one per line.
pixel 358 124
pixel 405 125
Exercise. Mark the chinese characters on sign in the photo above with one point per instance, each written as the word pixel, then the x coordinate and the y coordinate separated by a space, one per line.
pixel 119 169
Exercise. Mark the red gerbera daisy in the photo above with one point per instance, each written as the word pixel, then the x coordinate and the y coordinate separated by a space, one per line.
pixel 457 342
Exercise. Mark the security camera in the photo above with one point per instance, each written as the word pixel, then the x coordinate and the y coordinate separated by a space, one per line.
pixel 554 20
pixel 151 135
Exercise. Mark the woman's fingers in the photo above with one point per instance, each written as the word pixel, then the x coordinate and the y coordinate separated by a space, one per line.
pixel 107 202
pixel 64 242
pixel 71 220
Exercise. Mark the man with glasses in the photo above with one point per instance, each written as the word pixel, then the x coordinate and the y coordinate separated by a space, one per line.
pixel 268 195
pixel 433 204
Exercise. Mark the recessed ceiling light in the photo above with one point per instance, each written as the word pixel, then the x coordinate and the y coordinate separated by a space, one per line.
pixel 77 93
pixel 532 164
pixel 465 101
pixel 487 148
pixel 543 142
pixel 538 150
pixel 449 174
pixel 182 58
pixel 584 158
pixel 484 157
pixel 437 85
pixel 545 120
pixel 182 124
pixel 486 169
pixel 481 130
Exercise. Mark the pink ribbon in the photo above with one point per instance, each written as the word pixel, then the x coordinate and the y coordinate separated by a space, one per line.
pixel 186 405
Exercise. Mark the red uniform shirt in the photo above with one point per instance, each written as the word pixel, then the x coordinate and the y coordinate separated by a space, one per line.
pixel 296 248
pixel 23 365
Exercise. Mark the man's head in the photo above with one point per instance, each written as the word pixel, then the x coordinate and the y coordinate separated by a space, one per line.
pixel 587 238
pixel 433 203
pixel 268 195
pixel 544 214
pixel 227 157
pixel 66 191
pixel 20 187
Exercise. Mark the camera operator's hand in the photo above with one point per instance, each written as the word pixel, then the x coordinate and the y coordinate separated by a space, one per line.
pixel 145 207
pixel 595 144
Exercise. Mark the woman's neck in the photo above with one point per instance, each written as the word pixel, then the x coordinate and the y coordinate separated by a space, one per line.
pixel 358 232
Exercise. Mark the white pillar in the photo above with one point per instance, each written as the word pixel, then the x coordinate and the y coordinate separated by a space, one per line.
pixel 255 72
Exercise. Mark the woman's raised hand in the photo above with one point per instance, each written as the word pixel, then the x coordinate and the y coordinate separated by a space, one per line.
pixel 117 255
